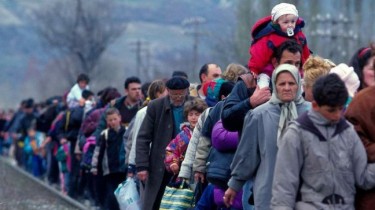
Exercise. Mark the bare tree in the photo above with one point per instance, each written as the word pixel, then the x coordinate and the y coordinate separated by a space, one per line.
pixel 248 12
pixel 79 30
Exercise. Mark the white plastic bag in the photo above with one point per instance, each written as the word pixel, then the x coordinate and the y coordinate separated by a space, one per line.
pixel 127 195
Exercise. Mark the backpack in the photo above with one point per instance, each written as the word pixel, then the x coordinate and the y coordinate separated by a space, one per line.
pixel 45 119
pixel 88 152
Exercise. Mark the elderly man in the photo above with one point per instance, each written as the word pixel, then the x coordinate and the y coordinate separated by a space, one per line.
pixel 160 126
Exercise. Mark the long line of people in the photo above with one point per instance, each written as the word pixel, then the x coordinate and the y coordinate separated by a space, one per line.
pixel 271 136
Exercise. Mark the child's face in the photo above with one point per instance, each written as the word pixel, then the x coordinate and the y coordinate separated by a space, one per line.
pixel 31 132
pixel 287 21
pixel 331 113
pixel 113 120
pixel 82 84
pixel 193 118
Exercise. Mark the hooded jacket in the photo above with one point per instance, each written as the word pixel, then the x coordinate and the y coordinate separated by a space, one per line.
pixel 176 149
pixel 321 161
pixel 266 38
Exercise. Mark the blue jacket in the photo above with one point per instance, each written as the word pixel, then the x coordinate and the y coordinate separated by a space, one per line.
pixel 236 106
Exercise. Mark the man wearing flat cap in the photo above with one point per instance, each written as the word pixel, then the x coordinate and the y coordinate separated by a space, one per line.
pixel 160 125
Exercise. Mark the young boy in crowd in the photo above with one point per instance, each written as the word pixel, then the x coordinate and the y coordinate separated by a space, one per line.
pixel 268 33
pixel 110 155
pixel 321 159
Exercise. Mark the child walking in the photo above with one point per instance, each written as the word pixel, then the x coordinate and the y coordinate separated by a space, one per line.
pixel 35 154
pixel 270 32
pixel 176 149
pixel 110 155
pixel 63 158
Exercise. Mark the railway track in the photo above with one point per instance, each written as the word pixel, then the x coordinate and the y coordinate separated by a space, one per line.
pixel 21 191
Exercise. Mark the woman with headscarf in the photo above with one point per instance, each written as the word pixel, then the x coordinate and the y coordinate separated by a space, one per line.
pixel 256 154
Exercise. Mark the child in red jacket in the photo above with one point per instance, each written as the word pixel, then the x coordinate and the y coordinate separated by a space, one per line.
pixel 268 33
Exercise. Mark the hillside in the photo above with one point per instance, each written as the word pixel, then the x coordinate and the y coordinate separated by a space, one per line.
pixel 157 24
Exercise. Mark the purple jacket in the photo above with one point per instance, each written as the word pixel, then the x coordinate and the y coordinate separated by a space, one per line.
pixel 219 202
pixel 225 141
pixel 222 139
pixel 91 122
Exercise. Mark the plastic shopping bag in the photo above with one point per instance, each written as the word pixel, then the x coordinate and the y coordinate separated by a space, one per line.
pixel 127 195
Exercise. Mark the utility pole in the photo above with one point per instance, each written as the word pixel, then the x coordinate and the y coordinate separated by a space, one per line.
pixel 339 38
pixel 192 25
pixel 139 47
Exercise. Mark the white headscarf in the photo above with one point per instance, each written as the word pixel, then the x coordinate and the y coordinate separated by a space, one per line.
pixel 288 109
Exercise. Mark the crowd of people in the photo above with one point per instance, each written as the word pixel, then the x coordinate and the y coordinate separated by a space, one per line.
pixel 290 130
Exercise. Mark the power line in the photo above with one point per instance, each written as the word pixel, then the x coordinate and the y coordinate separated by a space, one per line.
pixel 192 25
pixel 139 47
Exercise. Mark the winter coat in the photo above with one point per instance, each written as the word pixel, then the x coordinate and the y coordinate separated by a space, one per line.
pixel 236 105
pixel 187 164
pixel 321 161
pixel 224 145
pixel 226 142
pixel 204 145
pixel 71 123
pixel 33 144
pixel 46 117
pixel 267 38
pixel 91 122
pixel 14 124
pixel 26 122
pixel 177 147
pixel 256 153
pixel 63 157
pixel 74 95
pixel 361 114
pixel 53 132
pixel 157 129
pixel 109 151
pixel 133 137
pixel 127 140
pixel 118 104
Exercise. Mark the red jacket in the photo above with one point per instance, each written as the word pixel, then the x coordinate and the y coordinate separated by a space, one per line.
pixel 265 39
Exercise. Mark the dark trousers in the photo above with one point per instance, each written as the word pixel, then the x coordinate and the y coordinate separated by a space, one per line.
pixel 87 183
pixel 74 190
pixel 52 164
pixel 38 166
pixel 166 179
pixel 111 183
pixel 19 154
pixel 99 187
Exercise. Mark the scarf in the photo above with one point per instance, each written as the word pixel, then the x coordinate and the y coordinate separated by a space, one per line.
pixel 288 109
